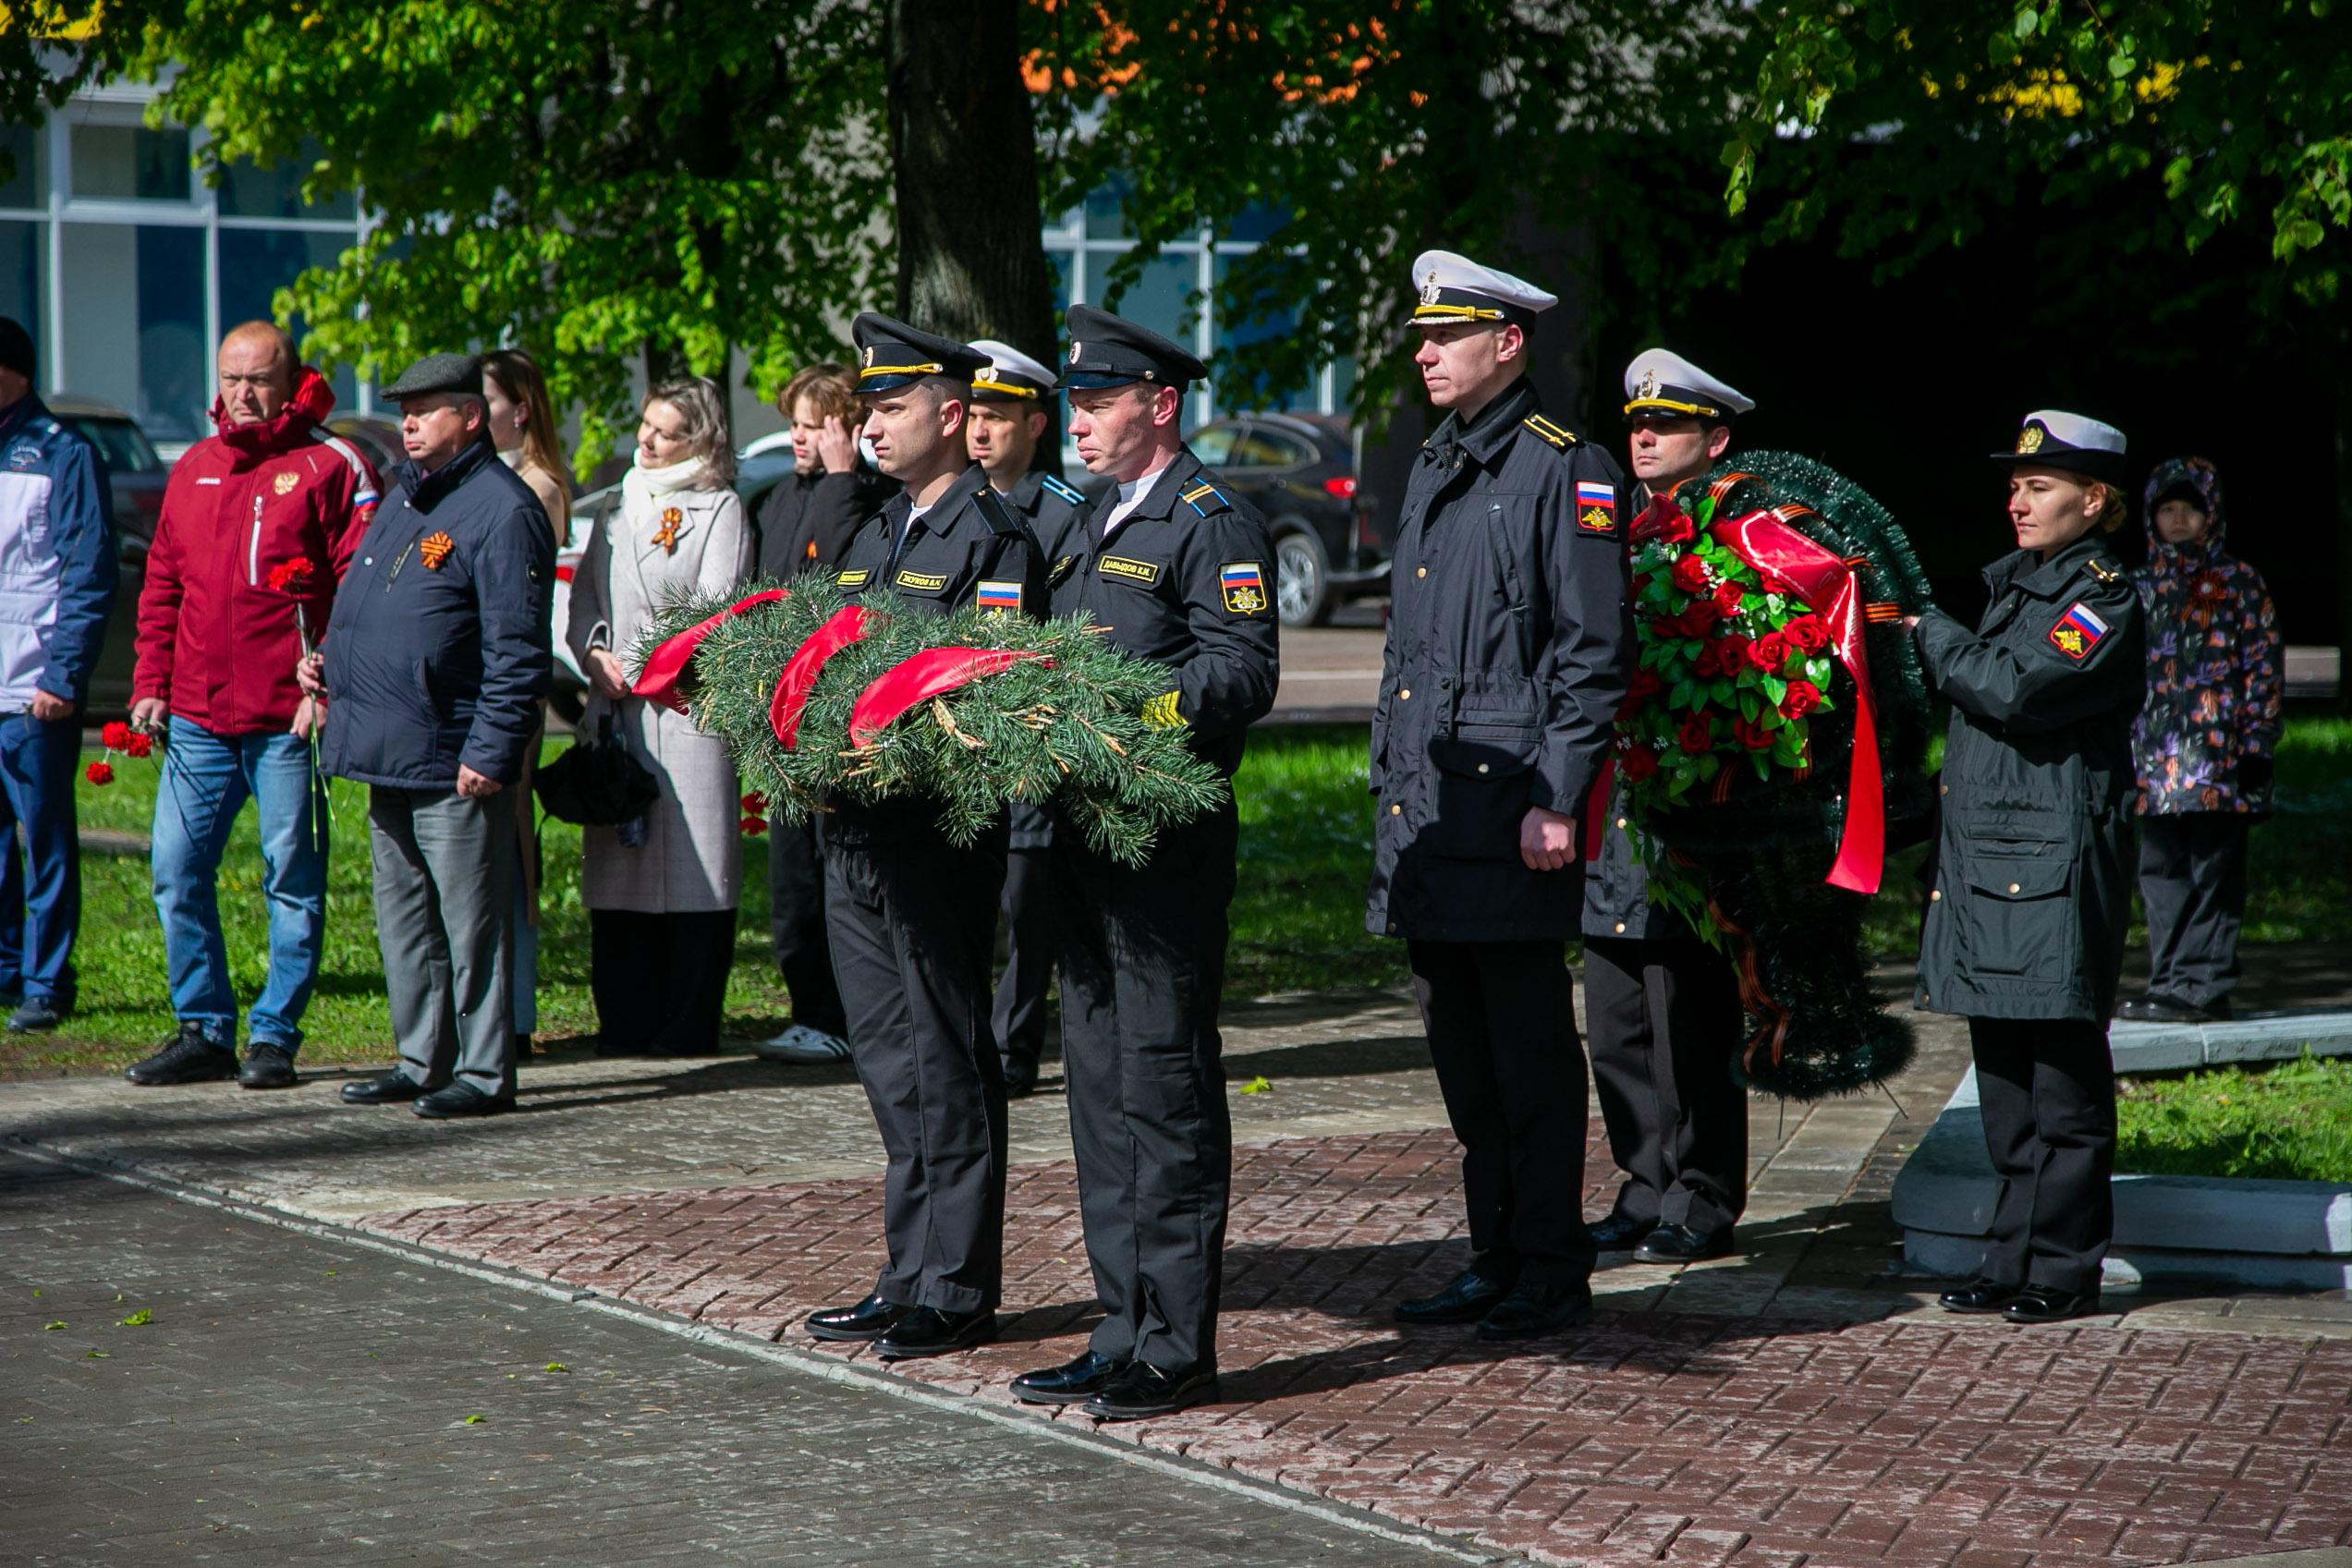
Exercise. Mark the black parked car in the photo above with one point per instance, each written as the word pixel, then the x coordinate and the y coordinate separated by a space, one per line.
pixel 1300 471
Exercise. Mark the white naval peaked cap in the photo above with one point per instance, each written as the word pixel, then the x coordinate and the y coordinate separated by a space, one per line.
pixel 1010 375
pixel 1662 384
pixel 2053 438
pixel 1453 289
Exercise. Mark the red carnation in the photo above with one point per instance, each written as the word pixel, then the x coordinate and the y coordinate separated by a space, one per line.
pixel 1752 736
pixel 291 576
pixel 1768 653
pixel 755 804
pixel 1802 699
pixel 1728 598
pixel 1690 574
pixel 1639 762
pixel 1809 633
pixel 99 774
pixel 138 745
pixel 115 737
pixel 1697 733
pixel 755 826
pixel 1695 620
pixel 1645 682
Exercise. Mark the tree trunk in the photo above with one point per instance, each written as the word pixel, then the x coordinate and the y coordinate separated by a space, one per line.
pixel 971 252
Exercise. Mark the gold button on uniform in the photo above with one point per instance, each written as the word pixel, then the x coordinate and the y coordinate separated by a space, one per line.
pixel 1481 766
pixel 1621 821
pixel 1405 694
pixel 1621 927
pixel 1420 571
pixel 1944 789
pixel 1396 810
pixel 1935 896
pixel 2013 887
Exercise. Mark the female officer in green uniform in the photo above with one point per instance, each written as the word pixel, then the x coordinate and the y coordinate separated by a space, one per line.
pixel 2031 892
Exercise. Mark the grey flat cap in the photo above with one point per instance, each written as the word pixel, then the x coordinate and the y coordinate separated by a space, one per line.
pixel 459 373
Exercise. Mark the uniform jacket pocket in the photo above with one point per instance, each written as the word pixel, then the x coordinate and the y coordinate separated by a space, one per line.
pixel 2018 920
pixel 1481 776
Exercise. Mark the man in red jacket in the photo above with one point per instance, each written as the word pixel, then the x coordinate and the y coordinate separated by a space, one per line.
pixel 258 525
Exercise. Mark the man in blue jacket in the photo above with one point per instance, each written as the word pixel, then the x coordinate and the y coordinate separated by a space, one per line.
pixel 57 573
pixel 433 669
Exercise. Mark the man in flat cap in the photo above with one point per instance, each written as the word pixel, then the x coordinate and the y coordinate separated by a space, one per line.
pixel 1178 572
pixel 1508 648
pixel 431 670
pixel 913 917
pixel 1008 423
pixel 1661 1005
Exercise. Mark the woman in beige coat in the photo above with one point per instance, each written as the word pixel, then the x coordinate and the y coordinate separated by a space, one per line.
pixel 660 891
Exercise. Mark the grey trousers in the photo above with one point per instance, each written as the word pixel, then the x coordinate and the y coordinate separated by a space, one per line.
pixel 445 874
pixel 2192 880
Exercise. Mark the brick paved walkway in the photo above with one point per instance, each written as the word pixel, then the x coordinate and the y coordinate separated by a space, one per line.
pixel 1764 1437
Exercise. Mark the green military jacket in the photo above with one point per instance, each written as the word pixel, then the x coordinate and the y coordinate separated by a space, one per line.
pixel 2031 885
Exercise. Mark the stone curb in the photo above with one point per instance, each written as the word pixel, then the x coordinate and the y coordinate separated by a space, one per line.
pixel 2277 1037
pixel 2266 1234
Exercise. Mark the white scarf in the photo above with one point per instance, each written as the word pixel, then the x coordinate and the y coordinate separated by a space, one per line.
pixel 643 488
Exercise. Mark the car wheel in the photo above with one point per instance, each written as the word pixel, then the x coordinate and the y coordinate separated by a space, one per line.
pixel 1302 580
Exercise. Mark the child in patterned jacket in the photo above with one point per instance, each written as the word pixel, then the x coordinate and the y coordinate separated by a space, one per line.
pixel 2203 742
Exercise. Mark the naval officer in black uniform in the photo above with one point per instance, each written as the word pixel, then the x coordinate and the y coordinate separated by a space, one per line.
pixel 1663 1007
pixel 912 918
pixel 1008 421
pixel 1180 571
pixel 2025 926
pixel 1510 644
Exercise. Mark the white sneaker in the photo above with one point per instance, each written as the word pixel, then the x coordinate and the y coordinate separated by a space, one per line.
pixel 801 1043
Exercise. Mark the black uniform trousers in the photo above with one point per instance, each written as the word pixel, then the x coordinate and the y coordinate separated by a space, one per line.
pixel 2047 1088
pixel 796 926
pixel 1664 1018
pixel 1503 1037
pixel 913 922
pixel 660 980
pixel 2192 883
pixel 1143 969
pixel 1032 944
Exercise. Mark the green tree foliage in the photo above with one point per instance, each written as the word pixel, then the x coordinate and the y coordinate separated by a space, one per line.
pixel 2239 110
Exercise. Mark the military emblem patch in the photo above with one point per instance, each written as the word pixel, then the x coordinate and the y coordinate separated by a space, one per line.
pixel 1061 568
pixel 921 582
pixel 1144 572
pixel 1596 506
pixel 2078 631
pixel 1001 598
pixel 1244 587
pixel 284 483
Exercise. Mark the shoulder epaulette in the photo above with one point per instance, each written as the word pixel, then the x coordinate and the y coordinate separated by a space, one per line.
pixel 1206 499
pixel 1068 493
pixel 1550 432
pixel 2104 571
pixel 993 512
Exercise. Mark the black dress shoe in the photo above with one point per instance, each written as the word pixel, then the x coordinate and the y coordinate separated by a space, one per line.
pixel 2042 1304
pixel 927 1331
pixel 1071 1381
pixel 2167 1010
pixel 1680 1244
pixel 2134 1011
pixel 1468 1296
pixel 869 1319
pixel 187 1058
pixel 1533 1310
pixel 1140 1389
pixel 1979 1295
pixel 462 1098
pixel 268 1067
pixel 390 1089
pixel 1616 1233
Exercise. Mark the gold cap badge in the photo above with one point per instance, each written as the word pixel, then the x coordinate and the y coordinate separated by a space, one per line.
pixel 1077 348
pixel 1649 387
pixel 1429 289
pixel 2029 438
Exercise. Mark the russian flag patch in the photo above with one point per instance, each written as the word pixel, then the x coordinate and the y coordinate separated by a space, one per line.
pixel 2078 631
pixel 999 596
pixel 1596 506
pixel 1244 586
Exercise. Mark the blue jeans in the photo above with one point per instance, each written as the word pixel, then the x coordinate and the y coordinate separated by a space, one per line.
pixel 207 779
pixel 41 884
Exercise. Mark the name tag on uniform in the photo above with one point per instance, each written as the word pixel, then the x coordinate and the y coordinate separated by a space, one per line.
pixel 1145 572
pixel 2078 631
pixel 921 582
pixel 854 579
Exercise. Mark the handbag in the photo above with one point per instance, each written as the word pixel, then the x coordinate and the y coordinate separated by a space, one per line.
pixel 596 783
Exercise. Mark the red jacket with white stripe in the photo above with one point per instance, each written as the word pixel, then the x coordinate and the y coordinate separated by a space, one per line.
pixel 225 611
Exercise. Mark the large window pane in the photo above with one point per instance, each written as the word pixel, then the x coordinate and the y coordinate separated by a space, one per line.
pixel 28 181
pixel 134 311
pixel 1243 327
pixel 1158 298
pixel 24 247
pixel 256 263
pixel 250 191
pixel 1103 218
pixel 130 162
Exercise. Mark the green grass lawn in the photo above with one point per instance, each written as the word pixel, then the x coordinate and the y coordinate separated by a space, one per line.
pixel 2292 1121
pixel 1298 920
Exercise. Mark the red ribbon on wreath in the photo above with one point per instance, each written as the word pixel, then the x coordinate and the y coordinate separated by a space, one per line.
pixel 842 627
pixel 666 665
pixel 931 673
pixel 1826 585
